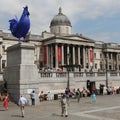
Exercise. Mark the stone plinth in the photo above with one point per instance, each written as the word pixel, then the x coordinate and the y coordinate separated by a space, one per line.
pixel 21 72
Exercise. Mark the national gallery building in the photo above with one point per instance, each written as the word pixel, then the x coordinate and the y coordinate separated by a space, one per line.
pixel 61 47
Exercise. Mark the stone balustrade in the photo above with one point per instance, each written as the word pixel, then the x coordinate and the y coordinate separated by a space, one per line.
pixel 77 74
pixel 49 80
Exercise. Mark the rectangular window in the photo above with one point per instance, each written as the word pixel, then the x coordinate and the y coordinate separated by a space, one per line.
pixel 100 65
pixel 86 65
pixel 95 65
pixel 41 49
pixel 3 64
pixel 110 67
pixel 119 57
pixel 94 55
pixel 3 49
pixel 119 67
pixel 100 55
pixel 109 56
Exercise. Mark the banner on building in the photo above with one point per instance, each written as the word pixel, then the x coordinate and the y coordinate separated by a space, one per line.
pixel 91 56
pixel 59 54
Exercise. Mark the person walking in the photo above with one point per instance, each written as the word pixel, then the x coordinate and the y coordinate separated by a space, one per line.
pixel 64 106
pixel 67 92
pixel 33 97
pixel 78 94
pixel 22 102
pixel 6 102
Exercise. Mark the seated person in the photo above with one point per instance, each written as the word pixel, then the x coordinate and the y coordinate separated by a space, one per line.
pixel 50 96
pixel 41 96
pixel 84 92
pixel 108 90
pixel 73 93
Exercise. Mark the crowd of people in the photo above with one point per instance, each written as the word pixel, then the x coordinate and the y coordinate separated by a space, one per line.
pixel 49 70
pixel 64 100
pixel 109 90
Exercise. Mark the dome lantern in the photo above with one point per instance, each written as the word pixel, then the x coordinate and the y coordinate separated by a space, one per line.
pixel 60 10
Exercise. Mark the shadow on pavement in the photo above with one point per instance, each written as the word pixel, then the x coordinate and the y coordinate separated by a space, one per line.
pixel 2 110
pixel 16 116
pixel 54 114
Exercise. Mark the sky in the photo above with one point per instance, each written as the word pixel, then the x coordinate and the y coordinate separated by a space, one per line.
pixel 95 19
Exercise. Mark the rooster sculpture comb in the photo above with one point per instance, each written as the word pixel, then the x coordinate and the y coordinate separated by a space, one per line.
pixel 20 28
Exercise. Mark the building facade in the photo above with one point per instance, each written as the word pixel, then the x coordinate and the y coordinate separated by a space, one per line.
pixel 61 47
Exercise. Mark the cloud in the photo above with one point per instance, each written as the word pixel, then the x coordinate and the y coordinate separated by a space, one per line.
pixel 42 11
pixel 106 36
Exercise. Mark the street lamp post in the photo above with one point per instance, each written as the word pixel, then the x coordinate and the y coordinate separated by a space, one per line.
pixel 68 68
pixel 106 70
pixel 106 61
pixel 104 47
pixel 68 82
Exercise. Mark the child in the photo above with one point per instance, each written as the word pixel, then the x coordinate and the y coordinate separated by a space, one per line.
pixel 6 102
pixel 93 97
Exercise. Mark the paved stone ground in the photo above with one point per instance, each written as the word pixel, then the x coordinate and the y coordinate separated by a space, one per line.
pixel 107 107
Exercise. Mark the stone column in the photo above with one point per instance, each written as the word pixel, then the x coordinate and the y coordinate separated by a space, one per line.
pixel 68 52
pixel 21 73
pixel 84 58
pixel 1 58
pixel 89 63
pixel 47 50
pixel 0 63
pixel 51 64
pixel 56 55
pixel 93 59
pixel 73 57
pixel 113 62
pixel 79 55
pixel 117 61
pixel 62 47
pixel 107 61
pixel 49 56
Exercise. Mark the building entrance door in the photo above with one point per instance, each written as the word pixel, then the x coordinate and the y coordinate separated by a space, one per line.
pixel 92 86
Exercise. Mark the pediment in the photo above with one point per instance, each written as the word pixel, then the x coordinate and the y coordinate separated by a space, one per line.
pixel 78 38
pixel 70 39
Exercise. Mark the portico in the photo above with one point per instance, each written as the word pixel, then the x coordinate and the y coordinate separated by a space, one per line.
pixel 81 52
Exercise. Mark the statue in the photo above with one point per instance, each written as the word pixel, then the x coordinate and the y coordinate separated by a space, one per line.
pixel 20 28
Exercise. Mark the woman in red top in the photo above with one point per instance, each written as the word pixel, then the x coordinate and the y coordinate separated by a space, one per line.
pixel 6 101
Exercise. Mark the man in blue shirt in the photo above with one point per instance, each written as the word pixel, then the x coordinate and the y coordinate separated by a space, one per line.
pixel 33 96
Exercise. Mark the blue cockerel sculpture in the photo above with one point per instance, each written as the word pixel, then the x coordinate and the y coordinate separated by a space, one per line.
pixel 20 28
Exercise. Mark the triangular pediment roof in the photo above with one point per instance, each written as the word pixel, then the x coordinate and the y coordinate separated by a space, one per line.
pixel 74 39
pixel 78 37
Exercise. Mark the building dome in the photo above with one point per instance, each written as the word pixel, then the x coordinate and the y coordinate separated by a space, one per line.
pixel 60 19
pixel 60 24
